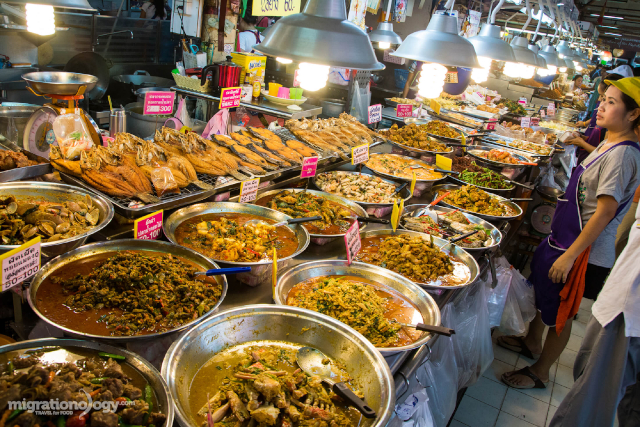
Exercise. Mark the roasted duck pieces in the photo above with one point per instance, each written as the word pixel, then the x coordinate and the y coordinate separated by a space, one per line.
pixel 273 143
pixel 70 167
pixel 115 175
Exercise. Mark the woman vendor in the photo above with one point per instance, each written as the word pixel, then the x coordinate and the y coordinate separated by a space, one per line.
pixel 576 83
pixel 575 259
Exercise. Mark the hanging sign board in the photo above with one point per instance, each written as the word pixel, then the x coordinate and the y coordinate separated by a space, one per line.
pixel 159 102
pixel 230 97
pixel 275 7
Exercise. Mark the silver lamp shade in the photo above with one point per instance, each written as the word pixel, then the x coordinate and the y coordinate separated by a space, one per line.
pixel 569 63
pixel 384 33
pixel 523 55
pixel 542 63
pixel 564 48
pixel 321 35
pixel 549 54
pixel 489 44
pixel 439 43
pixel 67 4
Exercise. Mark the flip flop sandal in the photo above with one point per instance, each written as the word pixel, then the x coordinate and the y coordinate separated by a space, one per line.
pixel 526 372
pixel 521 348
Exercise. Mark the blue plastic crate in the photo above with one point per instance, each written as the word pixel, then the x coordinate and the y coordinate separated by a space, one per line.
pixel 401 76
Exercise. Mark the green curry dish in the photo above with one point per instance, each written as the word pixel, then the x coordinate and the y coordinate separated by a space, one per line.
pixel 353 303
pixel 303 205
pixel 141 294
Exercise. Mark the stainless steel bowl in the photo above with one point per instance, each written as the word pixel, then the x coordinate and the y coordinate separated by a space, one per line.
pixel 278 323
pixel 172 223
pixel 450 187
pixel 405 194
pixel 503 191
pixel 416 150
pixel 58 193
pixel 387 280
pixel 412 160
pixel 331 197
pixel 419 210
pixel 451 249
pixel 475 152
pixel 495 143
pixel 151 246
pixel 144 368
pixel 59 82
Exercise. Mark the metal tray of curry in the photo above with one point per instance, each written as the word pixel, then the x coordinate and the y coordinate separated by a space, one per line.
pixel 394 166
pixel 190 367
pixel 441 148
pixel 422 265
pixel 150 285
pixel 381 299
pixel 512 210
pixel 339 213
pixel 111 372
pixel 220 238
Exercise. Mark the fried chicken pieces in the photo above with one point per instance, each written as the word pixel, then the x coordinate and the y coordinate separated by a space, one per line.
pixel 11 160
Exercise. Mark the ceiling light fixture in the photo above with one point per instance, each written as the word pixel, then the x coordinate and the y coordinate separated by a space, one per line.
pixel 607 16
pixel 384 34
pixel 40 17
pixel 613 34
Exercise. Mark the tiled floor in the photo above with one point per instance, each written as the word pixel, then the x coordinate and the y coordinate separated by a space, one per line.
pixel 491 403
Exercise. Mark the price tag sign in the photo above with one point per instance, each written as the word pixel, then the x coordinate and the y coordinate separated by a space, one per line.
pixel 551 109
pixel 375 113
pixel 359 154
pixel 309 167
pixel 491 125
pixel 542 113
pixel 525 122
pixel 404 110
pixel 352 241
pixel 443 162
pixel 535 121
pixel 522 101
pixel 435 106
pixel 230 97
pixel 148 227
pixel 396 213
pixel 20 263
pixel 249 190
pixel 413 182
pixel 159 102
pixel 274 273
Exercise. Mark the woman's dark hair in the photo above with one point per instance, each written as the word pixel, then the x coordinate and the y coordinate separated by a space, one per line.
pixel 159 4
pixel 576 77
pixel 248 14
pixel 630 104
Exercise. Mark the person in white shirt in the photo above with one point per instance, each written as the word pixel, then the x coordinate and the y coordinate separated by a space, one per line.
pixel 248 34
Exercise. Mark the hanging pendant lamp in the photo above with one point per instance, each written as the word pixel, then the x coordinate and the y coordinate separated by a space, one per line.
pixel 550 55
pixel 384 35
pixel 489 44
pixel 523 55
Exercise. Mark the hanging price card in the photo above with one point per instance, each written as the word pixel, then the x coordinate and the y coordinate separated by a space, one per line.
pixel 309 167
pixel 20 263
pixel 352 241
pixel 491 125
pixel 443 162
pixel 525 122
pixel 230 97
pixel 404 110
pixel 159 102
pixel 551 109
pixel 435 106
pixel 375 113
pixel 522 101
pixel 359 154
pixel 535 121
pixel 148 227
pixel 249 190
pixel 542 113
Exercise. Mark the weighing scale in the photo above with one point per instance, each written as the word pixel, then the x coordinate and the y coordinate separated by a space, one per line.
pixel 64 89
pixel 542 215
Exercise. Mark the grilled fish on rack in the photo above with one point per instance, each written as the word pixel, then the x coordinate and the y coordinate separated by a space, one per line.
pixel 70 167
pixel 152 156
pixel 246 154
pixel 249 167
pixel 273 143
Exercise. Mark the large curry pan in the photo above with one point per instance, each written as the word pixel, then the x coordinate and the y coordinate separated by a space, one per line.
pixel 140 365
pixel 476 151
pixel 149 246
pixel 414 149
pixel 451 187
pixel 387 280
pixel 58 193
pixel 278 323
pixel 415 162
pixel 449 249
pixel 178 217
pixel 359 210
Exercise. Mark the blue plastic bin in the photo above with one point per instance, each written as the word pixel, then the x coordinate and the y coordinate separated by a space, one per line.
pixel 401 76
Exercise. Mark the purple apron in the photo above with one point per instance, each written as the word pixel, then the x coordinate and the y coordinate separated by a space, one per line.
pixel 566 226
pixel 594 137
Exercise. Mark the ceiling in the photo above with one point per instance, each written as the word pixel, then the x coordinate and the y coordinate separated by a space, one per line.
pixel 629 10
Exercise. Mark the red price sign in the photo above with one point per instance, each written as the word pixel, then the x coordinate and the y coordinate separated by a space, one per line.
pixel 492 124
pixel 309 167
pixel 230 97
pixel 148 227
pixel 404 110
pixel 352 241
pixel 159 102
pixel 535 121
pixel 375 113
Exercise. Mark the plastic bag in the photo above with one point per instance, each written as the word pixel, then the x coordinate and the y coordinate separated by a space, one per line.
pixel 411 406
pixel 548 179
pixel 497 297
pixel 511 322
pixel 242 117
pixel 525 295
pixel 72 135
pixel 182 114
pixel 163 181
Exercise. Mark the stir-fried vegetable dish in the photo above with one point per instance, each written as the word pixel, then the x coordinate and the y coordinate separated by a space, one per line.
pixel 440 128
pixel 402 167
pixel 486 178
pixel 473 199
pixel 414 136
pixel 229 237
pixel 90 379
pixel 366 308
pixel 261 385
pixel 357 187
pixel 451 225
pixel 139 294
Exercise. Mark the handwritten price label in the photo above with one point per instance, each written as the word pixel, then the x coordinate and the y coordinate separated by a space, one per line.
pixel 148 227
pixel 525 122
pixel 535 121
pixel 359 154
pixel 159 102
pixel 542 113
pixel 249 190
pixel 230 97
pixel 375 113
pixel 522 101
pixel 20 263
pixel 352 241
pixel 404 110
pixel 551 109
pixel 309 167
pixel 492 124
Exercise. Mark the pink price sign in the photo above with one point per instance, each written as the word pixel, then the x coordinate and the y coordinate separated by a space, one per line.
pixel 352 241
pixel 230 97
pixel 148 227
pixel 159 102
pixel 309 167
pixel 491 125
pixel 404 110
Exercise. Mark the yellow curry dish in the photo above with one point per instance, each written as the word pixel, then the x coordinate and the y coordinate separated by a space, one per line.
pixel 402 167
pixel 473 199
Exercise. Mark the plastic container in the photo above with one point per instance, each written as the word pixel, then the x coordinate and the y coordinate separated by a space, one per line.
pixel 401 77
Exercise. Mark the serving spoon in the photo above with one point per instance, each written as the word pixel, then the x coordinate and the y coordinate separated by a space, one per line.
pixel 220 271
pixel 285 222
